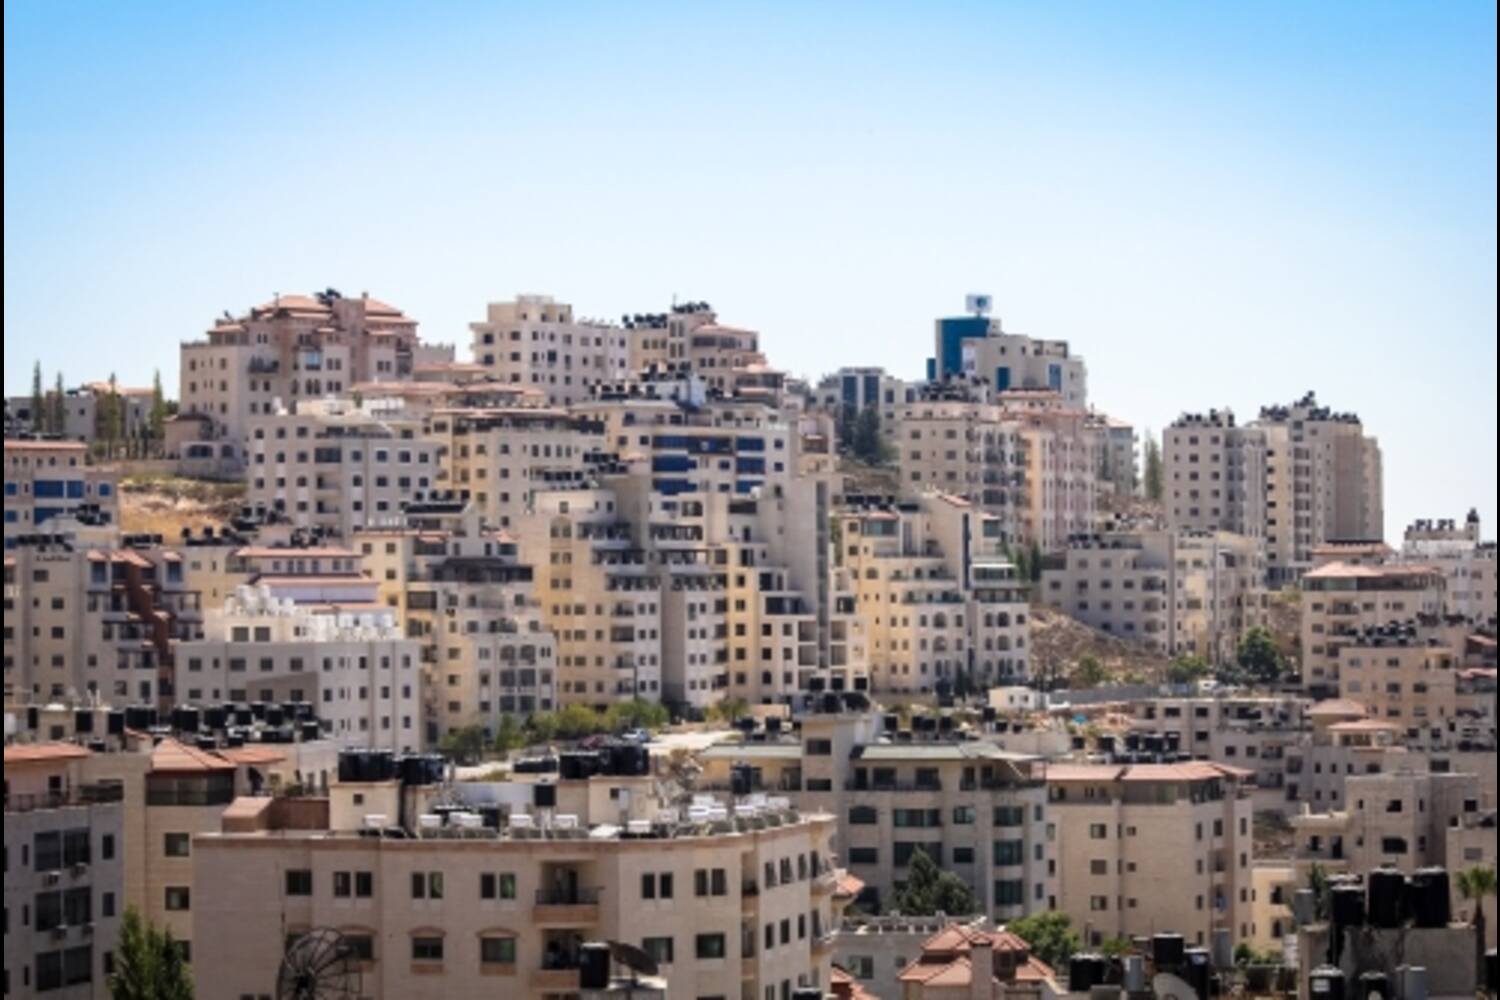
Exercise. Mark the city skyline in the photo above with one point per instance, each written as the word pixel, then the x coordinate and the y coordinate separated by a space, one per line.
pixel 1317 188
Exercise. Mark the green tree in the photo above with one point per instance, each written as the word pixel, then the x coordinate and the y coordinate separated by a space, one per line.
pixel 1317 881
pixel 463 743
pixel 509 736
pixel 729 710
pixel 1257 660
pixel 59 407
pixel 576 721
pixel 869 445
pixel 1034 562
pixel 541 727
pixel 1050 935
pixel 1247 954
pixel 1116 947
pixel 148 963
pixel 1089 672
pixel 1474 884
pixel 636 714
pixel 39 414
pixel 158 407
pixel 1154 477
pixel 111 424
pixel 1188 669
pixel 930 890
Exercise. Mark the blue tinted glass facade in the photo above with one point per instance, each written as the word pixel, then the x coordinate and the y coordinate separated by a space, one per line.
pixel 951 336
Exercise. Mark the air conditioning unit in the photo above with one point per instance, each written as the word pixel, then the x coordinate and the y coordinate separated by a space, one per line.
pixel 59 932
pixel 80 869
pixel 86 929
pixel 52 878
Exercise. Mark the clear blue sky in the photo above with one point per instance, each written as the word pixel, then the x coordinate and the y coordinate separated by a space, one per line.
pixel 1218 204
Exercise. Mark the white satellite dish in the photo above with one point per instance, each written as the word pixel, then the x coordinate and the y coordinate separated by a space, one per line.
pixel 978 304
pixel 1169 987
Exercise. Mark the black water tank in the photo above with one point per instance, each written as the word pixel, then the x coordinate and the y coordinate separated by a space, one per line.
pixel 773 724
pixel 593 965
pixel 569 766
pixel 1106 743
pixel 1084 972
pixel 544 795
pixel 1173 742
pixel 1373 985
pixel 137 718
pixel 1428 895
pixel 244 715
pixel 1347 906
pixel 1080 742
pixel 1167 951
pixel 1196 970
pixel 740 776
pixel 311 730
pixel 807 993
pixel 83 720
pixel 184 719
pixel 1385 899
pixel 1326 983
pixel 945 723
pixel 1491 971
pixel 891 722
pixel 988 713
pixel 215 717
pixel 258 710
pixel 1132 742
pixel 275 715
pixel 115 722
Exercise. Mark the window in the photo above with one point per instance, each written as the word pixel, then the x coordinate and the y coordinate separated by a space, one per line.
pixel 497 951
pixel 864 856
pixel 426 885
pixel 495 886
pixel 1010 852
pixel 1010 892
pixel 426 949
pixel 343 885
pixel 963 815
pixel 1010 815
pixel 178 898
pixel 709 946
pixel 364 884
pixel 176 845
pixel 863 815
pixel 1098 831
pixel 659 948
pixel 299 882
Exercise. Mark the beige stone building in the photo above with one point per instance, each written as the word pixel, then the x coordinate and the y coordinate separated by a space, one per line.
pixel 83 412
pixel 968 963
pixel 503 457
pixel 941 604
pixel 291 348
pixel 354 665
pixel 1177 592
pixel 1465 559
pixel 64 874
pixel 977 346
pixel 1250 731
pixel 1403 675
pixel 46 481
pixel 1341 599
pixel 973 808
pixel 101 623
pixel 1119 463
pixel 731 903
pixel 535 341
pixel 337 468
pixel 1151 848
pixel 464 593
pixel 1214 473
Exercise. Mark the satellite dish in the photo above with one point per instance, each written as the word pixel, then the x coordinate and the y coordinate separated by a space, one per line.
pixel 1169 987
pixel 637 961
pixel 319 965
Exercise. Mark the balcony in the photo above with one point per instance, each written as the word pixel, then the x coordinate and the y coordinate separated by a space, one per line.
pixel 824 882
pixel 82 795
pixel 575 908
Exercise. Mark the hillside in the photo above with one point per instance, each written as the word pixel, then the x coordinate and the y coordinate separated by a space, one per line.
pixel 1058 642
pixel 164 505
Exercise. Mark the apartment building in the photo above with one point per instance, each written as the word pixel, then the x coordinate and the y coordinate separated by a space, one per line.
pixel 1465 559
pixel 64 876
pixel 95 622
pixel 1214 473
pixel 1323 482
pixel 1401 674
pixel 503 457
pixel 600 597
pixel 1177 592
pixel 336 467
pixel 977 964
pixel 660 340
pixel 1119 467
pixel 353 663
pixel 973 808
pixel 1253 732
pixel 978 346
pixel 942 606
pixel 291 348
pixel 48 480
pixel 82 410
pixel 850 391
pixel 1031 461
pixel 1151 848
pixel 535 341
pixel 463 592
pixel 730 903
pixel 1341 599
pixel 1400 819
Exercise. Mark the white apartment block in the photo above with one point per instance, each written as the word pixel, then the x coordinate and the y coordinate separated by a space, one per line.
pixel 1119 462
pixel 535 341
pixel 852 390
pixel 353 664
pixel 1178 592
pixel 1151 848
pixel 1465 559
pixel 292 348
pixel 501 458
pixel 1341 599
pixel 338 468
pixel 1402 674
pixel 1214 473
pixel 46 481
pixel 82 411
pixel 64 880
pixel 941 604
pixel 463 592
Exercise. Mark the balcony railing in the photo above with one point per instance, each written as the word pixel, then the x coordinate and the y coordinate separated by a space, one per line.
pixel 567 897
pixel 81 795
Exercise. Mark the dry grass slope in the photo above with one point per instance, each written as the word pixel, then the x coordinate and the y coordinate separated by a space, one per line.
pixel 164 505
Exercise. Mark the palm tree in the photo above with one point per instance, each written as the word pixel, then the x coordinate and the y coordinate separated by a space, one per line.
pixel 1475 884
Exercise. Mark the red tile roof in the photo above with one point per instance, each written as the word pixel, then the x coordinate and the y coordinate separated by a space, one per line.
pixel 35 753
pixel 20 444
pixel 172 757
